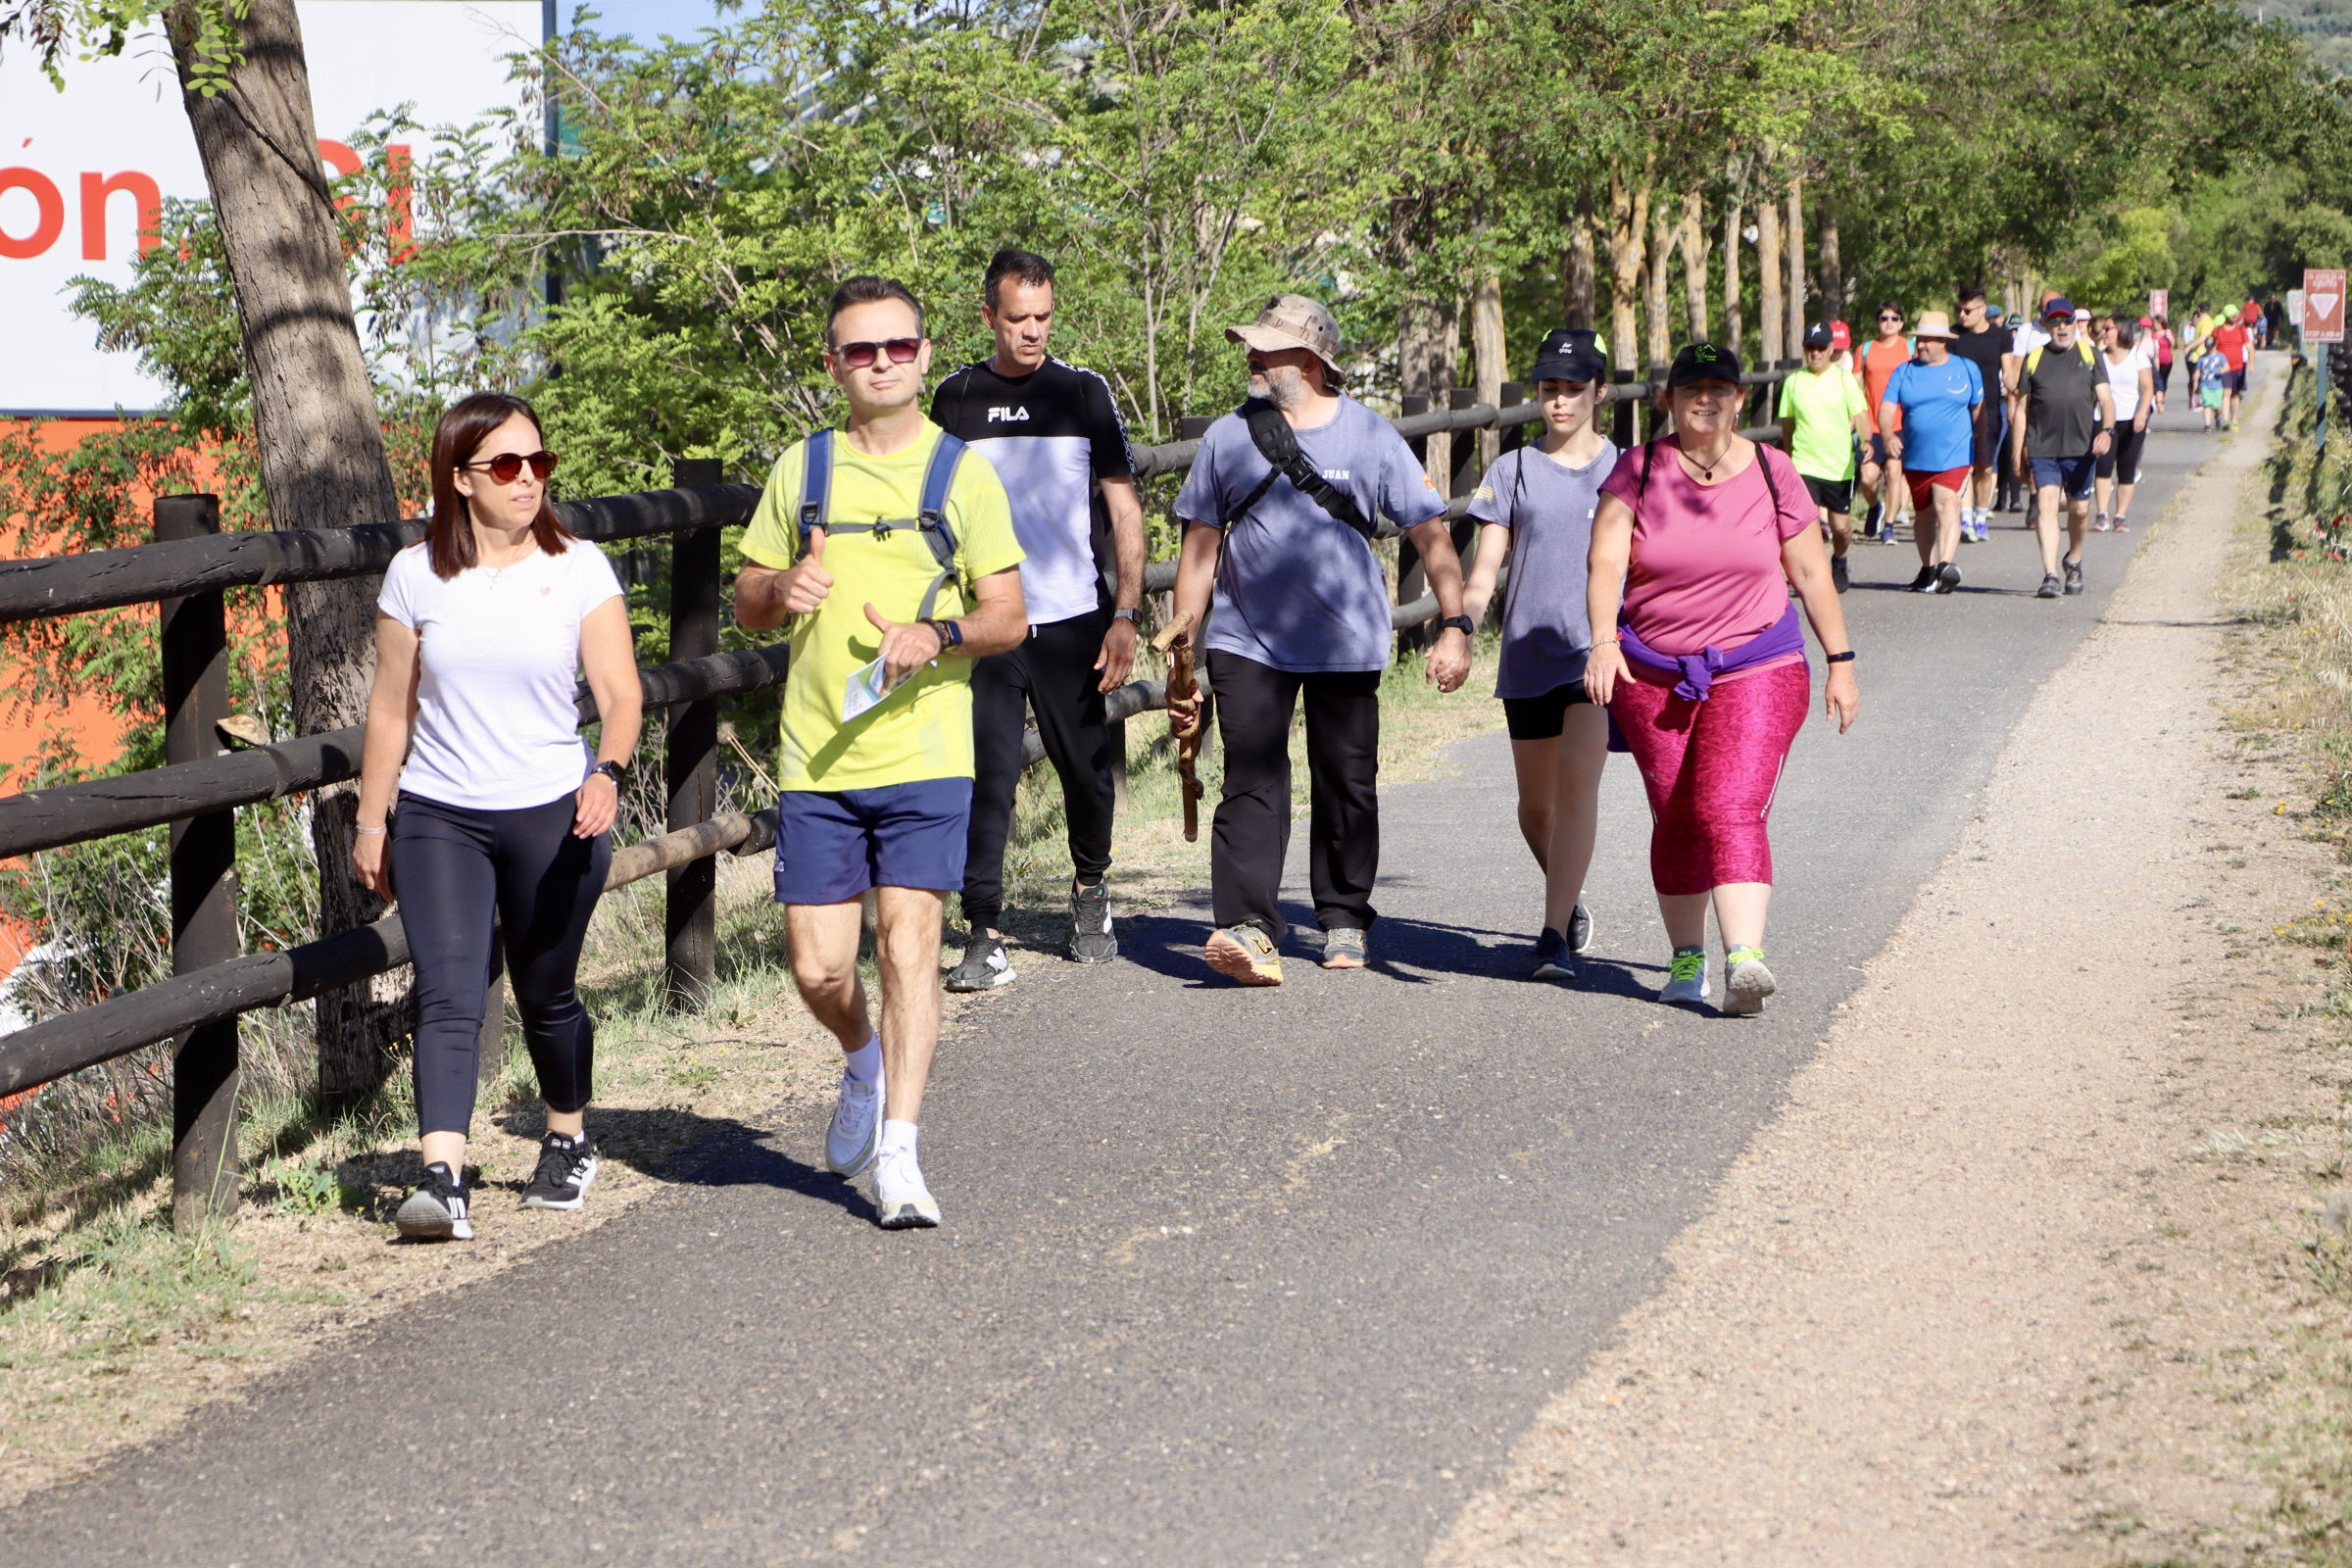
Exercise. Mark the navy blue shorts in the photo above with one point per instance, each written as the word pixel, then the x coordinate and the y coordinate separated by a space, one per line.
pixel 831 846
pixel 2071 475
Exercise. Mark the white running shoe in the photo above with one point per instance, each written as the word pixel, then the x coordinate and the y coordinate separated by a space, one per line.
pixel 905 1201
pixel 855 1136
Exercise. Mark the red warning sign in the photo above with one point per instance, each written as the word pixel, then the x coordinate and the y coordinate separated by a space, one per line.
pixel 2322 304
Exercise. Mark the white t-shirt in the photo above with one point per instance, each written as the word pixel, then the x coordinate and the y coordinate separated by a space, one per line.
pixel 2028 338
pixel 2124 379
pixel 498 724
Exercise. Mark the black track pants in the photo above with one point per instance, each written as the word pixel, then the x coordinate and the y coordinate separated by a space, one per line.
pixel 1252 832
pixel 452 868
pixel 1053 673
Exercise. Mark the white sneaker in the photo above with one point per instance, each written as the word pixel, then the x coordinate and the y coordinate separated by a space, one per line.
pixel 856 1135
pixel 1748 983
pixel 900 1194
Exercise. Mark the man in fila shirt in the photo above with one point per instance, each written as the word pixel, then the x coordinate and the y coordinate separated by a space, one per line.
pixel 1052 433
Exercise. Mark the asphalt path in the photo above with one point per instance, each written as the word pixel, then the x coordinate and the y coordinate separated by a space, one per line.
pixel 1229 1276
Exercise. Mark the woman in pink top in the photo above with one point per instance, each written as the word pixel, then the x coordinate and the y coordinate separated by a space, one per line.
pixel 1698 538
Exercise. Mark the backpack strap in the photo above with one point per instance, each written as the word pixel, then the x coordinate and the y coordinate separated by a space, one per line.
pixel 816 483
pixel 1278 444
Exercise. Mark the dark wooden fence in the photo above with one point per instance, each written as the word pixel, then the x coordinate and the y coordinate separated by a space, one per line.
pixel 205 780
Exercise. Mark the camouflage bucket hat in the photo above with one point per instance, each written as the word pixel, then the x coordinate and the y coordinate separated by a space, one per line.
pixel 1293 321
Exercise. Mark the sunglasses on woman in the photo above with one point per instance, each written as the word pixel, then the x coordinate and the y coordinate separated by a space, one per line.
pixel 507 466
pixel 858 356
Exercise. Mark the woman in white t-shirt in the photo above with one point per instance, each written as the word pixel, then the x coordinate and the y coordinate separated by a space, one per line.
pixel 481 632
pixel 2132 373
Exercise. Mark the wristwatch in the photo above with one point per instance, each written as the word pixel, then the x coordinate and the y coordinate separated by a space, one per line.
pixel 949 633
pixel 1461 623
pixel 612 770
pixel 1135 615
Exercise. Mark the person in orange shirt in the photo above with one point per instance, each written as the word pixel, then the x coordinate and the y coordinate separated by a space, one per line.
pixel 1880 359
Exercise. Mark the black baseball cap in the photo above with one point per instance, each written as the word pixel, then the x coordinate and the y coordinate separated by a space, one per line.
pixel 1819 336
pixel 1704 362
pixel 1569 354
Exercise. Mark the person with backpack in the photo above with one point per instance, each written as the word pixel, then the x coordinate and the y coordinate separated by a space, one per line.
pixel 1280 512
pixel 2064 420
pixel 1535 504
pixel 1697 541
pixel 1052 431
pixel 891 549
pixel 1822 420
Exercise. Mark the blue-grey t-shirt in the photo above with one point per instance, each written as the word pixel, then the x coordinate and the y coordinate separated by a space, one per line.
pixel 1548 509
pixel 1299 589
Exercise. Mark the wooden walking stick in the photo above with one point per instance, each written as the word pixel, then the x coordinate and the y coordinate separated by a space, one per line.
pixel 1186 700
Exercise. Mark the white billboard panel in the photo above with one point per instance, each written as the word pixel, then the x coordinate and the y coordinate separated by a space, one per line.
pixel 77 167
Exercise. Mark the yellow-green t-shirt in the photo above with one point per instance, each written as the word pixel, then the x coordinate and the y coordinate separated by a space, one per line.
pixel 1823 404
pixel 924 728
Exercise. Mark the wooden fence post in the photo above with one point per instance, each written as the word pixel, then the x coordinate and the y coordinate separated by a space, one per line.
pixel 194 644
pixel 691 765
pixel 1621 413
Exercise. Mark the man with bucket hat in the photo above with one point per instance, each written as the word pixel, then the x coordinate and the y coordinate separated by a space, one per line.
pixel 1936 395
pixel 1280 511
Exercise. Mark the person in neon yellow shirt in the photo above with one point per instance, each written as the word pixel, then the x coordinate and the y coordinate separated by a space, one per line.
pixel 1823 417
pixel 878 793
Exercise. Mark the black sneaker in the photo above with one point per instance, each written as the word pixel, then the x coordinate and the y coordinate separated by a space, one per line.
pixel 984 967
pixel 1947 577
pixel 567 1165
pixel 1090 939
pixel 2049 587
pixel 1580 929
pixel 2073 576
pixel 1838 574
pixel 1550 960
pixel 436 1210
pixel 1924 583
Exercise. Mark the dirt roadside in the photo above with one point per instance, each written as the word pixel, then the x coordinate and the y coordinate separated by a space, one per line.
pixel 2019 1272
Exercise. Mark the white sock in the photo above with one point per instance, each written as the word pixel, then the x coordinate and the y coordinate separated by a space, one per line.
pixel 865 1062
pixel 898 1138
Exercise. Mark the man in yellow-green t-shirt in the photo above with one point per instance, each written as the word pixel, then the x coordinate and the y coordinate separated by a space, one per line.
pixel 1823 414
pixel 877 752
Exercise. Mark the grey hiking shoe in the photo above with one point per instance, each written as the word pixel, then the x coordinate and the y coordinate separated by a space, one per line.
pixel 1580 929
pixel 1748 983
pixel 1344 949
pixel 2073 576
pixel 1687 980
pixel 2049 586
pixel 436 1210
pixel 1246 953
pixel 1091 938
pixel 984 967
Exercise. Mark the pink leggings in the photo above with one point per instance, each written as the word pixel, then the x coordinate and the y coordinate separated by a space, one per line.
pixel 1711 768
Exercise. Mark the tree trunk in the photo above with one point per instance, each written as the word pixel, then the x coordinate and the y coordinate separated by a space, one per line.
pixel 1768 276
pixel 1732 212
pixel 1794 240
pixel 1628 231
pixel 1576 265
pixel 1694 264
pixel 1425 350
pixel 1833 273
pixel 320 447
pixel 1486 346
pixel 1663 222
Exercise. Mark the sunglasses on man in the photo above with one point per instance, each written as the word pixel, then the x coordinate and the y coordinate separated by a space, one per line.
pixel 507 466
pixel 858 356
pixel 1894 319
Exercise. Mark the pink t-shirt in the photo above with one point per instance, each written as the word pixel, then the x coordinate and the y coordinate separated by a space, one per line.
pixel 1706 558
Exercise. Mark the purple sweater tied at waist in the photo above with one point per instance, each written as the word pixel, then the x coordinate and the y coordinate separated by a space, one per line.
pixel 1699 670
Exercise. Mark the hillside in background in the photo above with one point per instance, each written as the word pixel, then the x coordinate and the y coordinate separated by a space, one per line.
pixel 2325 24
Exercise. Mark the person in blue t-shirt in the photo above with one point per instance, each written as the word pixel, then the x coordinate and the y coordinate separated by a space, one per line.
pixel 1938 395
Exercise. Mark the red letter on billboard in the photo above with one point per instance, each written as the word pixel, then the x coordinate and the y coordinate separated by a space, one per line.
pixel 94 192
pixel 47 226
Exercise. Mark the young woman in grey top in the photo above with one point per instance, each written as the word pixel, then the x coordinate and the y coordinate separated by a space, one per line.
pixel 1536 505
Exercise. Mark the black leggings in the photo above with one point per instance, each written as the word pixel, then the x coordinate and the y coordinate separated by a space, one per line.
pixel 1252 832
pixel 1054 671
pixel 453 867
pixel 2120 461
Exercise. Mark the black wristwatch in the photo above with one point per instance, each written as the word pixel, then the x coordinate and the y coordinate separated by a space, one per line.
pixel 1846 657
pixel 612 770
pixel 1461 623
pixel 949 633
